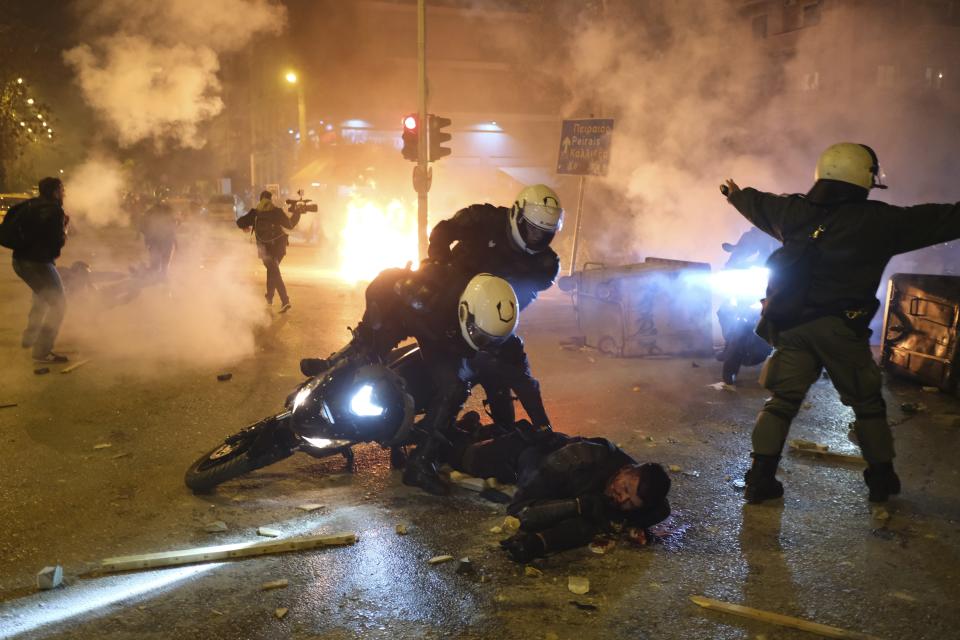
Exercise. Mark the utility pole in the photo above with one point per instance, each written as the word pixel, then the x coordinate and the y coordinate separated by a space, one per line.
pixel 421 172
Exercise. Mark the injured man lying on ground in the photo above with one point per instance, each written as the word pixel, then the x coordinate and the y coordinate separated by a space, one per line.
pixel 569 489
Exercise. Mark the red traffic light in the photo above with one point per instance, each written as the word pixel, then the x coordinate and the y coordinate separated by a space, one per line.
pixel 410 123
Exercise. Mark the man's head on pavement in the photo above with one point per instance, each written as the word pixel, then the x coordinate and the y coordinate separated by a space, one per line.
pixel 52 189
pixel 636 486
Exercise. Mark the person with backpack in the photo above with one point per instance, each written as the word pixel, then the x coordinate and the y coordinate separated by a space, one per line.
pixel 36 230
pixel 270 225
pixel 821 297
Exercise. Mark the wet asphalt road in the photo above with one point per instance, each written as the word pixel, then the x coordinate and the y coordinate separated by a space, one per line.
pixel 818 554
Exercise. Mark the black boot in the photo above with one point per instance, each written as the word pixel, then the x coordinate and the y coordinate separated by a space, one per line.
pixel 882 481
pixel 761 481
pixel 422 472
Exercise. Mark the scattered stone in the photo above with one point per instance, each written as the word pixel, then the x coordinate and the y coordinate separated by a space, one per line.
pixel 217 526
pixel 510 524
pixel 727 478
pixel 50 577
pixel 281 613
pixel 216 613
pixel 465 567
pixel 41 371
pixel 900 595
pixel 269 532
pixel 310 506
pixel 401 529
pixel 102 445
pixel 913 407
pixel 439 559
pixel 532 572
pixel 692 474
pixel 578 585
pixel 223 377
pixel 931 389
pixel 283 583
pixel 496 529
pixel 675 468
pixel 879 513
pixel 637 388
pixel 807 406
pixel 739 484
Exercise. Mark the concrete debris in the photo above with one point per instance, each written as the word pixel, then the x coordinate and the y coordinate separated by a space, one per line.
pixel 74 366
pixel 102 445
pixel 578 585
pixel 275 584
pixel 465 567
pixel 496 529
pixel 41 371
pixel 931 389
pixel 879 513
pixel 439 559
pixel 281 613
pixel 601 546
pixel 906 597
pixel 510 524
pixel 268 532
pixel 217 526
pixel 822 451
pixel 310 506
pixel 223 377
pixel 50 577
pixel 401 529
pixel 739 484
pixel 675 468
pixel 532 572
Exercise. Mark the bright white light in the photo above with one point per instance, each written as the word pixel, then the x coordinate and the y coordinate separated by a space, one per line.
pixel 362 403
pixel 19 80
pixel 319 443
pixel 355 123
pixel 29 100
pixel 314 184
pixel 328 127
pixel 291 77
pixel 290 131
pixel 740 283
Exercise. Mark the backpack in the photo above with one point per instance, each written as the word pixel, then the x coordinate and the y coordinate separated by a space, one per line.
pixel 791 268
pixel 12 233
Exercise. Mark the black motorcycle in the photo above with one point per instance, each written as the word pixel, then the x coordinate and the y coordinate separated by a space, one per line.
pixel 349 403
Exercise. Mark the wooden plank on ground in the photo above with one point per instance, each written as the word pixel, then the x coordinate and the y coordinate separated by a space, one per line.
pixel 826 454
pixel 75 365
pixel 780 619
pixel 222 552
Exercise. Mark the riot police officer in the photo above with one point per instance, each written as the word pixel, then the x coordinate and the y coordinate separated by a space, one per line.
pixel 513 244
pixel 821 298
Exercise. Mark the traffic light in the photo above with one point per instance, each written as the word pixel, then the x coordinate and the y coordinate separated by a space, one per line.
pixel 438 137
pixel 411 138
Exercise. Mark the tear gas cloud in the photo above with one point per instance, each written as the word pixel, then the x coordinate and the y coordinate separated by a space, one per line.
pixel 93 193
pixel 697 99
pixel 150 69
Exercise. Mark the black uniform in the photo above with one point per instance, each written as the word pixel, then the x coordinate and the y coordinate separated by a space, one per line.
pixel 484 244
pixel 857 239
pixel 561 503
pixel 421 304
pixel 268 224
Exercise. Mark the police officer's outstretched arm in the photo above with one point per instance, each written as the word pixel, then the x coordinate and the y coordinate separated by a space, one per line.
pixel 919 226
pixel 766 211
pixel 452 230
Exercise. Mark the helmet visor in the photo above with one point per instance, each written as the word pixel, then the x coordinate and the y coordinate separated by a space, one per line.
pixel 536 238
pixel 479 337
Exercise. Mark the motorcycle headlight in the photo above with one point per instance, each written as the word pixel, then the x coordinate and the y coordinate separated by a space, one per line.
pixel 362 404
pixel 304 394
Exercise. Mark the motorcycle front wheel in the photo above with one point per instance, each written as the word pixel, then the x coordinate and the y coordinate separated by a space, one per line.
pixel 257 446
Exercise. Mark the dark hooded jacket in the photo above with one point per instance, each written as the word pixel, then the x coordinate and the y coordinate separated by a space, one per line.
pixel 44 227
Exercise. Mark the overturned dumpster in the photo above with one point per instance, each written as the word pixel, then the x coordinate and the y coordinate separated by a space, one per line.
pixel 658 307
pixel 920 329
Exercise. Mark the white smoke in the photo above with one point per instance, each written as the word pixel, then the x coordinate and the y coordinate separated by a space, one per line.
pixel 93 192
pixel 151 71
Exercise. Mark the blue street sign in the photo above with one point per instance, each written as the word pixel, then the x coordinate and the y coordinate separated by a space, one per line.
pixel 585 147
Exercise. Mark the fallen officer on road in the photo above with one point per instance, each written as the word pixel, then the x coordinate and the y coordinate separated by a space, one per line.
pixel 584 488
pixel 820 300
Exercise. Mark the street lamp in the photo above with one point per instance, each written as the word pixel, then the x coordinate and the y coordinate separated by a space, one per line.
pixel 292 78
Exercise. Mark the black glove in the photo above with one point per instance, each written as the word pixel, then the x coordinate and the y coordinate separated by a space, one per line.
pixel 511 351
pixel 524 547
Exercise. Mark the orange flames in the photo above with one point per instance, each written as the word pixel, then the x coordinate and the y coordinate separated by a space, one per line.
pixel 376 237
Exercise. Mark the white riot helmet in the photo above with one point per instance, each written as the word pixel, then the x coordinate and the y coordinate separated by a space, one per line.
pixel 535 218
pixel 488 311
pixel 851 163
